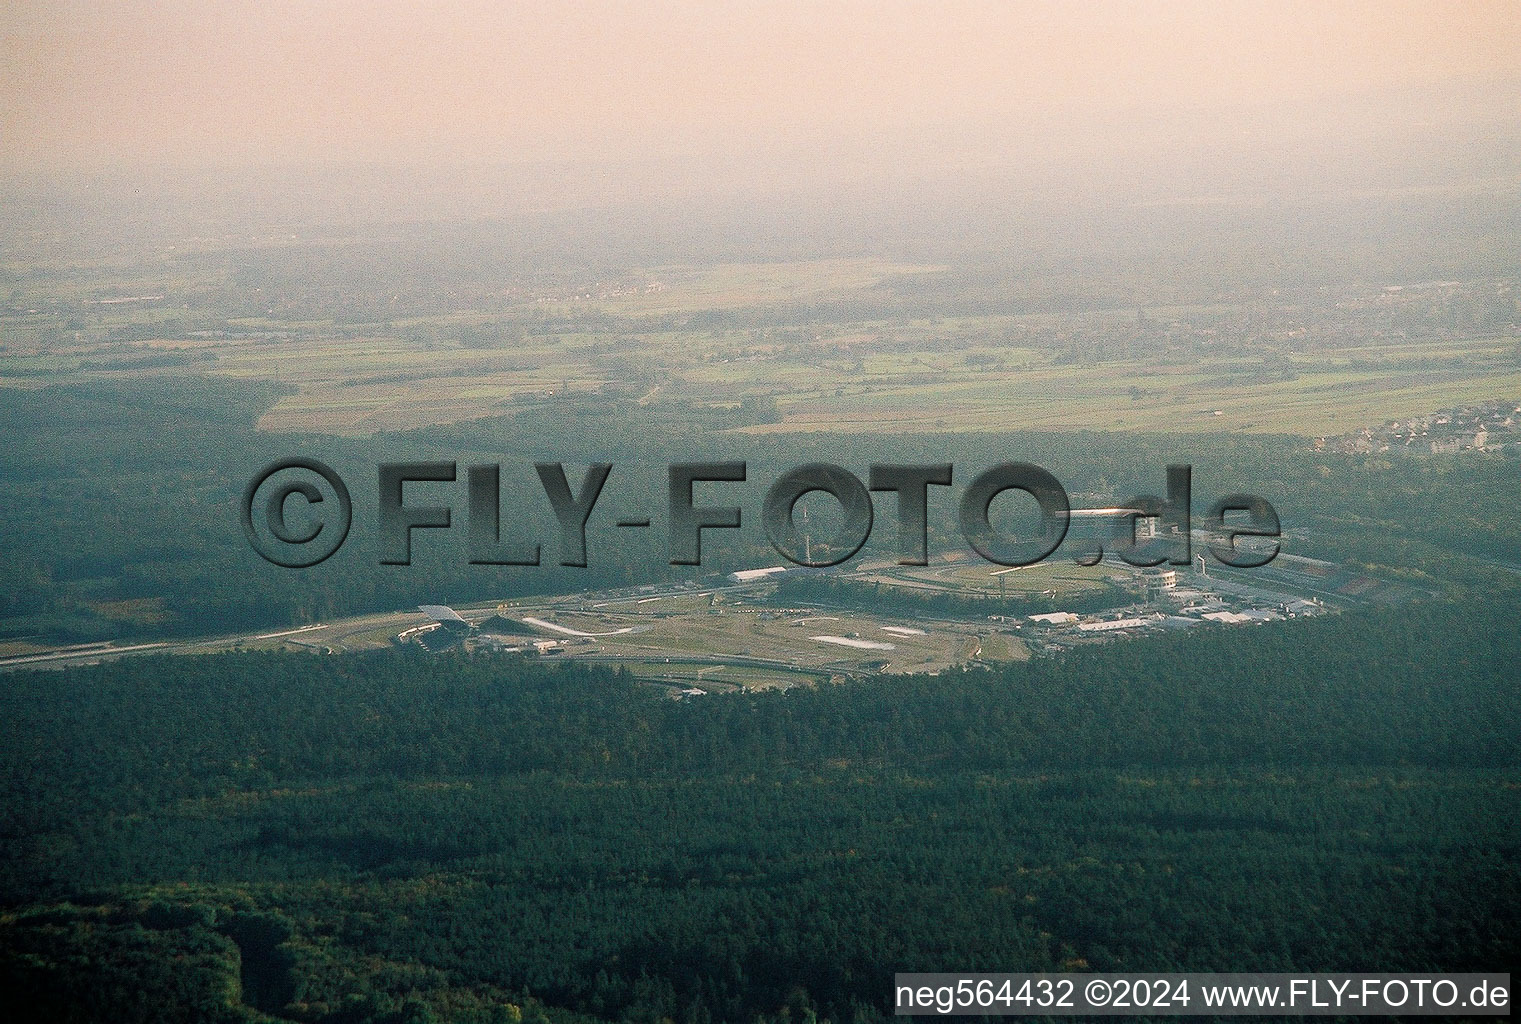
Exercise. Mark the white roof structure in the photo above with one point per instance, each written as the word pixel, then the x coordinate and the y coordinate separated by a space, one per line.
pixel 751 575
pixel 444 616
pixel 1104 627
pixel 1054 618
pixel 849 641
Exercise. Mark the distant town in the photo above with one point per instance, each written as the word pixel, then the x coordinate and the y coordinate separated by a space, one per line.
pixel 1484 427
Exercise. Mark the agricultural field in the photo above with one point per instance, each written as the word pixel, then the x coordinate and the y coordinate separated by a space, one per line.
pixel 1323 399
pixel 358 387
pixel 837 345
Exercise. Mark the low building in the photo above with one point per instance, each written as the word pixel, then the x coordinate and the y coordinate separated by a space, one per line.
pixel 1054 618
pixel 1110 625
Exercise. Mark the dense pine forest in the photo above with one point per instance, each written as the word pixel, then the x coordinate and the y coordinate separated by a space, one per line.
pixel 404 837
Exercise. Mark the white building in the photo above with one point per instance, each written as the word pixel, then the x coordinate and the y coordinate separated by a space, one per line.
pixel 752 575
pixel 1111 624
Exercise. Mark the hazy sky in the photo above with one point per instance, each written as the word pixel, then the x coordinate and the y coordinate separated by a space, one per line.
pixel 756 91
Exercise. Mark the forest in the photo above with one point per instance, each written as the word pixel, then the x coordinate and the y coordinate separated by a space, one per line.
pixel 406 837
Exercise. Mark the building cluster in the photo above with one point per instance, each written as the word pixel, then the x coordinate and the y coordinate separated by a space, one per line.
pixel 1485 426
pixel 1171 601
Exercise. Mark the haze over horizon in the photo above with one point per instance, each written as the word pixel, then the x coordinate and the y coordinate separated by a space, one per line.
pixel 501 109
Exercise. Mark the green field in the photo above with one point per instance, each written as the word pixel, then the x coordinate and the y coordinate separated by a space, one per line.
pixel 835 344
